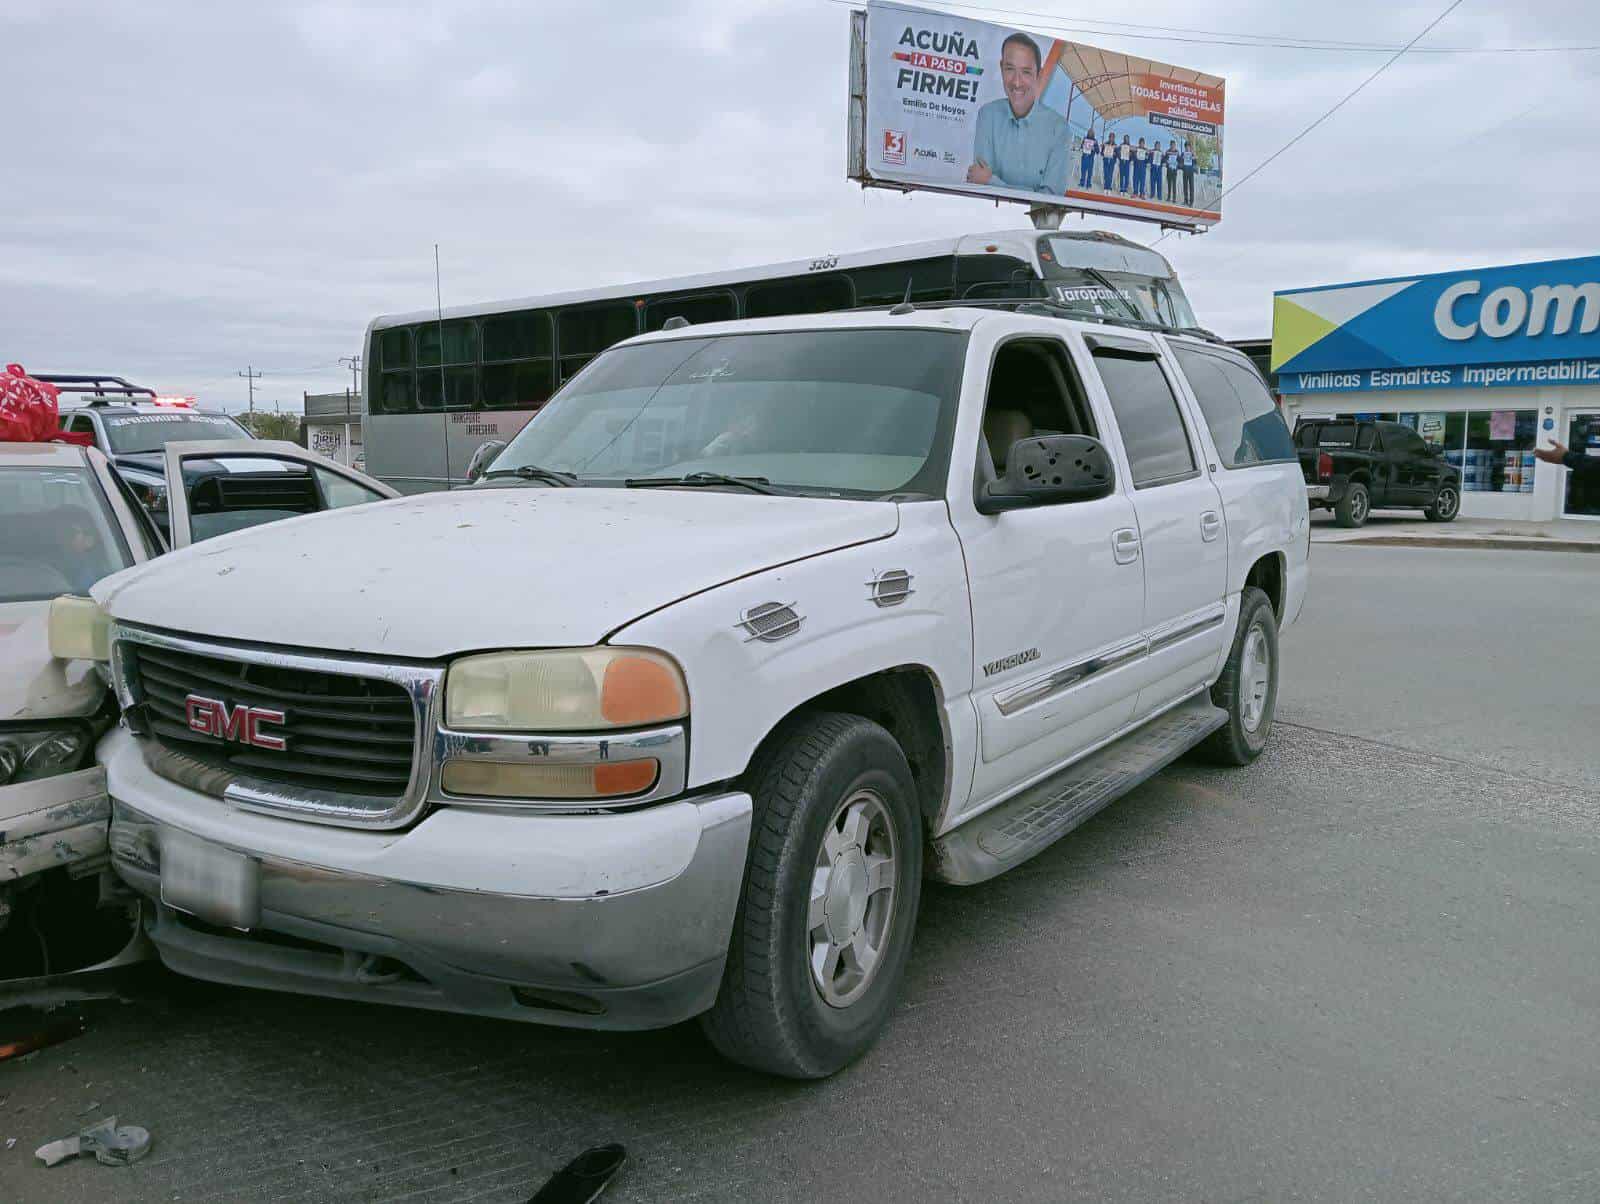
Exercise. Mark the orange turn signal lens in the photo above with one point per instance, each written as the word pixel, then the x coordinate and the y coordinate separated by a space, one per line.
pixel 641 689
pixel 502 779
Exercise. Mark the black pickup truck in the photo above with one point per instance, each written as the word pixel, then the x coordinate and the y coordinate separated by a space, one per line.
pixel 1353 467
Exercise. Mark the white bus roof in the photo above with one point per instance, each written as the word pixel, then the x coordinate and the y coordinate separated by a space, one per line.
pixel 1019 243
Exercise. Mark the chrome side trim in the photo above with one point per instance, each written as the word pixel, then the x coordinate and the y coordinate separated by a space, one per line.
pixel 1060 680
pixel 1183 631
pixel 423 683
pixel 668 745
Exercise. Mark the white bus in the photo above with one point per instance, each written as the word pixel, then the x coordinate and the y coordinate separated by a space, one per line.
pixel 438 386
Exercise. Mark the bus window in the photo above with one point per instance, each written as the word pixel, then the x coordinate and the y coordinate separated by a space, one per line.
pixel 393 392
pixel 798 295
pixel 930 279
pixel 459 340
pixel 586 330
pixel 518 356
pixel 707 307
pixel 447 388
pixel 994 276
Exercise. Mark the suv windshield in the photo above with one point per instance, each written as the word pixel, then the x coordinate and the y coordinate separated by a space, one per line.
pixel 151 432
pixel 58 537
pixel 1109 279
pixel 859 413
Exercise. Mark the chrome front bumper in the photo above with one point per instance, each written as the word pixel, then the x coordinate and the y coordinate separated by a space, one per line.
pixel 597 921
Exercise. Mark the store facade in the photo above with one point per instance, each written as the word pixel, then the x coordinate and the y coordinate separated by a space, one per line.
pixel 1485 364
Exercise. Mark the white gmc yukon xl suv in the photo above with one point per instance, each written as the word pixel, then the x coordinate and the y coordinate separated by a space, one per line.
pixel 752 628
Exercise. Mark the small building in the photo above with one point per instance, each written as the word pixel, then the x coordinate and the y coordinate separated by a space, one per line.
pixel 333 427
pixel 1485 364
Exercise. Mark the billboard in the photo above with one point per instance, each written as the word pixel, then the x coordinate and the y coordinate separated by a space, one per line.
pixel 947 104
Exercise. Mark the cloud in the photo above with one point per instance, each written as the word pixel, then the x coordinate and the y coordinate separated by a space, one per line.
pixel 271 177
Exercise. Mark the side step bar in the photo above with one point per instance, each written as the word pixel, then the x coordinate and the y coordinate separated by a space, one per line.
pixel 1028 823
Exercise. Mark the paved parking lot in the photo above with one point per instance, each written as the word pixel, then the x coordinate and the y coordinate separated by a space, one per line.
pixel 1360 969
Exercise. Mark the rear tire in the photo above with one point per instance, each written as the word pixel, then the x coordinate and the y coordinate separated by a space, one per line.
pixel 1353 508
pixel 1248 687
pixel 1446 504
pixel 832 884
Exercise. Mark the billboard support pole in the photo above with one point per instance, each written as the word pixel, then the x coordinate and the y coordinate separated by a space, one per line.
pixel 1046 217
pixel 856 138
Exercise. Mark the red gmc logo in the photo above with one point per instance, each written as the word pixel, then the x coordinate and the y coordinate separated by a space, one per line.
pixel 244 724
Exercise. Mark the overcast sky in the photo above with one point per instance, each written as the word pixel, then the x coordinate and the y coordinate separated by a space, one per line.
pixel 190 188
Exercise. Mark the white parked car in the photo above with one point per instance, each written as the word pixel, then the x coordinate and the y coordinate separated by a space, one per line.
pixel 70 519
pixel 752 628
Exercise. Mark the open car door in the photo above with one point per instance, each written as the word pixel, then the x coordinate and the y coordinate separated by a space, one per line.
pixel 217 486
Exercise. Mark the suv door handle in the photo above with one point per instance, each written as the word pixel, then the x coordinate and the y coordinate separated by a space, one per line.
pixel 1125 545
pixel 1210 525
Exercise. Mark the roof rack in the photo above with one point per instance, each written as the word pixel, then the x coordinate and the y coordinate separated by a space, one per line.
pixel 97 386
pixel 1044 308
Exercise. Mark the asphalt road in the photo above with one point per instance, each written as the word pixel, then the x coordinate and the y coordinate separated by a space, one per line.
pixel 1361 969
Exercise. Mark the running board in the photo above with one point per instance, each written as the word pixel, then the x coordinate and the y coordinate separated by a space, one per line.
pixel 1030 822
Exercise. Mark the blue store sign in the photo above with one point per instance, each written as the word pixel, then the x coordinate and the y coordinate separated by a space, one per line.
pixel 1528 324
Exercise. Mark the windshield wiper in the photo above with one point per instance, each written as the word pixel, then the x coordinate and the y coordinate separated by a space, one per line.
pixel 754 484
pixel 1104 282
pixel 532 472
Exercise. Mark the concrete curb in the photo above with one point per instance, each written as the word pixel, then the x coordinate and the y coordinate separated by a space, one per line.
pixel 1490 543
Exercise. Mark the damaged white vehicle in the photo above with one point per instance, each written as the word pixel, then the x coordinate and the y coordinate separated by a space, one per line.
pixel 70 519
pixel 750 629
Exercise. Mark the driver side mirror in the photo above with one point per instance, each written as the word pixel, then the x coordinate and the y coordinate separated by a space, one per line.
pixel 1045 470
pixel 483 457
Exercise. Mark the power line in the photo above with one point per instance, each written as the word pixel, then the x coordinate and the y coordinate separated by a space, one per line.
pixel 1215 37
pixel 1346 99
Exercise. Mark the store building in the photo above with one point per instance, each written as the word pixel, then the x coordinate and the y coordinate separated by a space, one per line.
pixel 333 427
pixel 1487 364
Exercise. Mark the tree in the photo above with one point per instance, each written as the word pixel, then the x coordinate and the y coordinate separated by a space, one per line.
pixel 264 425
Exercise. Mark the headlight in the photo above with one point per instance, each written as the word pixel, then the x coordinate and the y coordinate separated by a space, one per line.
pixel 30 753
pixel 79 630
pixel 569 690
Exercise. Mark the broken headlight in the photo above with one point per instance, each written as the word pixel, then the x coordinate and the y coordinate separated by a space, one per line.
pixel 30 753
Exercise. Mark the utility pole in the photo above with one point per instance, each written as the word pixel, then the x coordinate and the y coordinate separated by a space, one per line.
pixel 251 376
pixel 355 372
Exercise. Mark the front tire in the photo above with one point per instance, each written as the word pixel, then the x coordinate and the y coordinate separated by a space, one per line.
pixel 1248 687
pixel 833 880
pixel 1446 504
pixel 1354 506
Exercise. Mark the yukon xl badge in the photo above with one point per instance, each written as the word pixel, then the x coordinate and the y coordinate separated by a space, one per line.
pixel 244 724
pixel 1010 662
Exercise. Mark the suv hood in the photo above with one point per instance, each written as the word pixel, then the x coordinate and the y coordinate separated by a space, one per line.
pixel 442 573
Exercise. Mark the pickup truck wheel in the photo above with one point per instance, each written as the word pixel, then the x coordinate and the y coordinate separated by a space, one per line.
pixel 1248 687
pixel 1446 504
pixel 823 927
pixel 1354 506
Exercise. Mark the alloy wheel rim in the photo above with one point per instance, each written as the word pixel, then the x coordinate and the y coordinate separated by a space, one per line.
pixel 851 907
pixel 1358 506
pixel 1447 502
pixel 1255 676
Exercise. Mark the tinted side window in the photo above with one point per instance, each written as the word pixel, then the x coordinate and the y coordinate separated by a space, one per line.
pixel 447 343
pixel 586 331
pixel 800 295
pixel 708 307
pixel 1366 438
pixel 518 357
pixel 1148 417
pixel 516 336
pixel 1244 422
pixel 930 280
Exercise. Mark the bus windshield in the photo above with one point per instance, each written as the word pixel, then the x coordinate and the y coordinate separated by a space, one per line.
pixel 839 413
pixel 1113 280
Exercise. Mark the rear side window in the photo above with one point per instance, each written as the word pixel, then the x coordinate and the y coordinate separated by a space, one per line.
pixel 1336 434
pixel 1245 424
pixel 1147 415
pixel 803 295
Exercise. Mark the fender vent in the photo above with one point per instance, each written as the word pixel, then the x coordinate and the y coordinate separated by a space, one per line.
pixel 890 588
pixel 771 621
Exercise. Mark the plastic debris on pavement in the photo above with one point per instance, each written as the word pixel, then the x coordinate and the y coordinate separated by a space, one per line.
pixel 584 1178
pixel 111 1144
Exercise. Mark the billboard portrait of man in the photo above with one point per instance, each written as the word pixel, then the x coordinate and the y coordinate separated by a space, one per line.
pixel 1018 142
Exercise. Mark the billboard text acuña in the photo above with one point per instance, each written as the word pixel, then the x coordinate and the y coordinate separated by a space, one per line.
pixel 955 105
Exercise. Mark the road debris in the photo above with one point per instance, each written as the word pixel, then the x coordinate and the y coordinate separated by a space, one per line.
pixel 47 1031
pixel 111 1145
pixel 584 1178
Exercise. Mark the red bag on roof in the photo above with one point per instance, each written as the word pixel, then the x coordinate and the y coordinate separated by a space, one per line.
pixel 28 411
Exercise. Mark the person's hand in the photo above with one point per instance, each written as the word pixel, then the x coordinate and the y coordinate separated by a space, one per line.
pixel 979 173
pixel 1554 454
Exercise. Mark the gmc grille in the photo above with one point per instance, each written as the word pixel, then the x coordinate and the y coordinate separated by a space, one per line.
pixel 351 735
